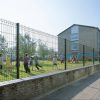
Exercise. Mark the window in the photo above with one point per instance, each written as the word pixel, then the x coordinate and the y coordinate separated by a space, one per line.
pixel 74 33
pixel 75 45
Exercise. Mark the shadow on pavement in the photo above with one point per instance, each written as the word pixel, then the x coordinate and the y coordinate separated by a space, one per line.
pixel 68 92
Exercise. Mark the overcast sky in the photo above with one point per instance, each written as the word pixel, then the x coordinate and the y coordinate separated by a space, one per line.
pixel 51 16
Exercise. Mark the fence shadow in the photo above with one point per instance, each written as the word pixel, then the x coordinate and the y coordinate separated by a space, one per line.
pixel 68 92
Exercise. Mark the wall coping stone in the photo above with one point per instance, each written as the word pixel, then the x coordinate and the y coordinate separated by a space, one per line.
pixel 40 76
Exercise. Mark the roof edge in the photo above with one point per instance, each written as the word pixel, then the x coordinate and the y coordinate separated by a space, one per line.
pixel 78 25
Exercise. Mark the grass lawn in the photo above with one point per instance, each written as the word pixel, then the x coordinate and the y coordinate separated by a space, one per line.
pixel 9 73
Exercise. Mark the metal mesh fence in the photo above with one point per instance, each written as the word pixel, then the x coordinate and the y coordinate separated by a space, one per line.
pixel 7 50
pixel 26 52
pixel 40 48
pixel 77 54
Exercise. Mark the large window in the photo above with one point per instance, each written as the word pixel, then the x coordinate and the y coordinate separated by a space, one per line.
pixel 74 33
pixel 75 45
pixel 74 38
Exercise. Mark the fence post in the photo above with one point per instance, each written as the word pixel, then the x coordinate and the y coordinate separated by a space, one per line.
pixel 17 49
pixel 65 53
pixel 93 55
pixel 83 55
pixel 99 56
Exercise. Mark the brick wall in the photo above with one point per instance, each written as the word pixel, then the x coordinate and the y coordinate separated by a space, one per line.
pixel 36 86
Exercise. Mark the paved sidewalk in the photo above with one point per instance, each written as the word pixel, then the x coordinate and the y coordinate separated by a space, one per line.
pixel 92 92
pixel 85 89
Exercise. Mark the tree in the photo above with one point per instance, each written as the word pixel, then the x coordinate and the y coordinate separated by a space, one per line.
pixel 26 45
pixel 43 50
pixel 3 45
pixel 52 52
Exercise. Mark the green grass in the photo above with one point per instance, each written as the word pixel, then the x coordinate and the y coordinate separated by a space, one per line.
pixel 47 67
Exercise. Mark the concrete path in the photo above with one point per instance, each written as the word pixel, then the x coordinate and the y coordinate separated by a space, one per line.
pixel 85 89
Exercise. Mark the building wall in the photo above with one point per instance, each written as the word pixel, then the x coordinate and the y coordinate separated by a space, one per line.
pixel 61 42
pixel 87 36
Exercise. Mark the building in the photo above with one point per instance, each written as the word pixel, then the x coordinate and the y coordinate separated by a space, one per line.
pixel 77 36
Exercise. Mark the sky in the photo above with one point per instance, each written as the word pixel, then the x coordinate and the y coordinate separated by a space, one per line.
pixel 51 16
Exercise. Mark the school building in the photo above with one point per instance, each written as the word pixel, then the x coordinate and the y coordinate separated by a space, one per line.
pixel 77 36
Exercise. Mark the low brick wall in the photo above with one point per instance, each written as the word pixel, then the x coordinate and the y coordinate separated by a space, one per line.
pixel 37 86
